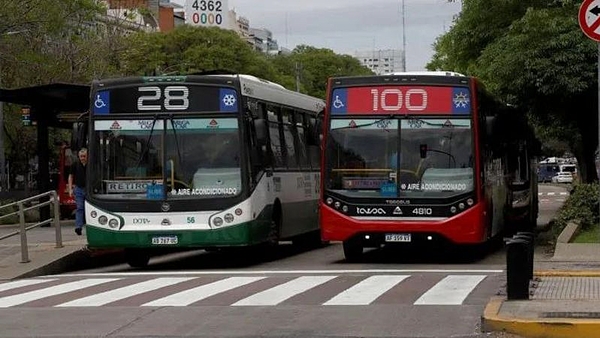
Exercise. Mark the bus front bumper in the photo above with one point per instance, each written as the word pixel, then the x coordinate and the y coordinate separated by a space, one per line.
pixel 244 234
pixel 468 227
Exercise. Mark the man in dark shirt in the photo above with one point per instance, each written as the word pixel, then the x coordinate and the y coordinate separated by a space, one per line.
pixel 77 178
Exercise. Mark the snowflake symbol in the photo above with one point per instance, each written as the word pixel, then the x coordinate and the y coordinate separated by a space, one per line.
pixel 229 100
pixel 461 100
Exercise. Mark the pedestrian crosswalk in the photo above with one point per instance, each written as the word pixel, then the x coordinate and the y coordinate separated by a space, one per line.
pixel 242 291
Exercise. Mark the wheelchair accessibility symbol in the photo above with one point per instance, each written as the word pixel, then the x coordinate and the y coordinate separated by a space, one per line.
pixel 99 103
pixel 337 103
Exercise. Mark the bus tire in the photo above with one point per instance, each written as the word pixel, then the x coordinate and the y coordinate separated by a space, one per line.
pixel 275 226
pixel 353 249
pixel 137 258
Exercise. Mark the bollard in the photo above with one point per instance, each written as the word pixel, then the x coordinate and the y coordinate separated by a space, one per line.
pixel 531 238
pixel 517 278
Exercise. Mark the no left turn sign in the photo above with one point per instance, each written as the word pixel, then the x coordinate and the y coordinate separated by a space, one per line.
pixel 589 19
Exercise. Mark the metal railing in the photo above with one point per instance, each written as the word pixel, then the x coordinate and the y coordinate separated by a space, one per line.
pixel 23 228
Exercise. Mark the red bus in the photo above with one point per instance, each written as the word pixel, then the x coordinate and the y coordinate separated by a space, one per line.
pixel 421 157
pixel 65 159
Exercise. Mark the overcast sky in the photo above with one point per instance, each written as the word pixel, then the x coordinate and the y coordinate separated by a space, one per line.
pixel 347 26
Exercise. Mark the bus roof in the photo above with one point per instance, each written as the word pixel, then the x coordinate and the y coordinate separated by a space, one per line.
pixel 403 78
pixel 250 86
pixel 428 73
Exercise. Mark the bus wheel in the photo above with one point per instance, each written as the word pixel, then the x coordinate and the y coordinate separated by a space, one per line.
pixel 274 227
pixel 353 249
pixel 137 258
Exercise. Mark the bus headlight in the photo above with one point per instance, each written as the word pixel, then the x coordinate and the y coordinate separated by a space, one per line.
pixel 461 206
pixel 238 212
pixel 337 204
pixel 345 208
pixel 329 200
pixel 217 221
pixel 94 214
pixel 113 223
pixel 470 202
pixel 103 220
pixel 453 209
pixel 228 218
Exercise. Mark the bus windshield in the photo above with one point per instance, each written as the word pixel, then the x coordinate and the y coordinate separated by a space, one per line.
pixel 166 158
pixel 427 157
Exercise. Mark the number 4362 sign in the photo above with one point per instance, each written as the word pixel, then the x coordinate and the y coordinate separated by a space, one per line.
pixel 207 13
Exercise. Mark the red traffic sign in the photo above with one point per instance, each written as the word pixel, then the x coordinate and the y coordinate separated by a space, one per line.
pixel 589 19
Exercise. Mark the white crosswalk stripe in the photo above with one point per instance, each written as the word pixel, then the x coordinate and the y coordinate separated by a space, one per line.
pixel 190 296
pixel 366 291
pixel 278 294
pixel 24 282
pixel 124 292
pixel 451 290
pixel 51 291
pixel 262 290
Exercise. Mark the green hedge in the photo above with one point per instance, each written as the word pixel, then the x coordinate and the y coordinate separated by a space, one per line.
pixel 582 205
pixel 31 216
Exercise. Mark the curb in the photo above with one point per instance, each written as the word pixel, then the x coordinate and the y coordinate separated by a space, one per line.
pixel 77 260
pixel 536 328
pixel 567 273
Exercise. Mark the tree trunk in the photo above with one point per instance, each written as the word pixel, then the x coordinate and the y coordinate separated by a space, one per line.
pixel 587 124
pixel 586 163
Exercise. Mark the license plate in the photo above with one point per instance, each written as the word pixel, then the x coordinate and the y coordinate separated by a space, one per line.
pixel 165 240
pixel 397 237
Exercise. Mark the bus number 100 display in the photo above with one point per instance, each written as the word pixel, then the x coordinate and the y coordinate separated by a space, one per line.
pixel 399 99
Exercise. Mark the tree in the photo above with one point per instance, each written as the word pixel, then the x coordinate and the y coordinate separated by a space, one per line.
pixel 188 49
pixel 536 58
pixel 50 41
pixel 315 66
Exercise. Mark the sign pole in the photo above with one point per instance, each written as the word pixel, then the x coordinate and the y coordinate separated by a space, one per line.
pixel 589 21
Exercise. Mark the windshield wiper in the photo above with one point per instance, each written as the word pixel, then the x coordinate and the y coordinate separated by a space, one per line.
pixel 176 141
pixel 146 147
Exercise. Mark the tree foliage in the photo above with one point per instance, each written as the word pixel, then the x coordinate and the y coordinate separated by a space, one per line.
pixel 315 65
pixel 188 49
pixel 531 54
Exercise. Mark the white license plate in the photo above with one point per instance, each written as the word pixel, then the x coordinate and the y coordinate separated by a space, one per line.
pixel 397 237
pixel 165 240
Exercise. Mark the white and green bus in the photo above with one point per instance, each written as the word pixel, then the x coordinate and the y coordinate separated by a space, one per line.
pixel 199 161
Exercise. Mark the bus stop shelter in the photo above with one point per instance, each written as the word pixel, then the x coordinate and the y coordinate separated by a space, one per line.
pixel 54 105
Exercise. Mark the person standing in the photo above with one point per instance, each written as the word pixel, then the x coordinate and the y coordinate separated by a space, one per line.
pixel 77 178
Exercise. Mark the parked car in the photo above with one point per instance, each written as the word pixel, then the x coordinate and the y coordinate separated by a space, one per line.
pixel 563 177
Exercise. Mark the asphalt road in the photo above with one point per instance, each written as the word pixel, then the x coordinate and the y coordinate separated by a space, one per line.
pixel 292 292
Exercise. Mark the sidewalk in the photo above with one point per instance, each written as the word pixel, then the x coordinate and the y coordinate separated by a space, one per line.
pixel 564 297
pixel 44 257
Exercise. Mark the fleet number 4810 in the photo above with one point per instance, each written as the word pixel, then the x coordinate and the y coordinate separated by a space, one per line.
pixel 422 211
pixel 412 99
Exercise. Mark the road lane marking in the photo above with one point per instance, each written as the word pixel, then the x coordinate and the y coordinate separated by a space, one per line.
pixel 110 296
pixel 21 283
pixel 51 291
pixel 282 292
pixel 201 292
pixel 451 290
pixel 365 292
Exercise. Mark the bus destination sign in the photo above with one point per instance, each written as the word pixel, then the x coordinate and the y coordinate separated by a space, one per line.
pixel 429 100
pixel 164 98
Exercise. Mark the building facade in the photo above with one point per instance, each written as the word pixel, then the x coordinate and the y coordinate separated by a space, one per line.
pixel 382 61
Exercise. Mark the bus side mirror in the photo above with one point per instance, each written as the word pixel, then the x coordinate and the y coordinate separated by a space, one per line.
pixel 78 136
pixel 260 127
pixel 490 123
pixel 315 134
